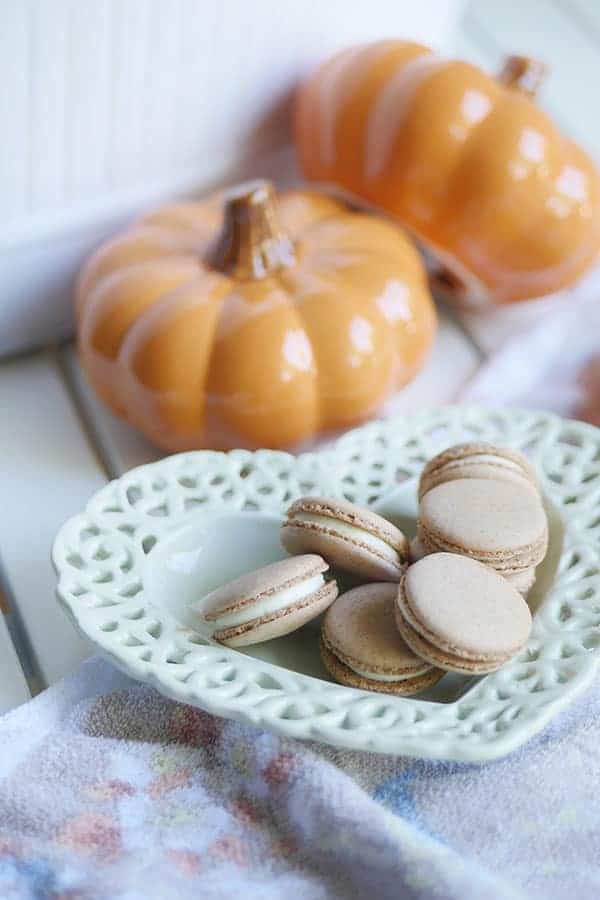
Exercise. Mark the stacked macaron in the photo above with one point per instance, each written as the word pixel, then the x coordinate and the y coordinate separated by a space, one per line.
pixel 482 501
pixel 476 459
pixel 458 607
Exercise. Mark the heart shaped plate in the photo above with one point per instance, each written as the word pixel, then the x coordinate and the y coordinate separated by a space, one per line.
pixel 156 540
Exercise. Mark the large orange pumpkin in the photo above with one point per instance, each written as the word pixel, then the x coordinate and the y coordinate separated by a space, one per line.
pixel 508 207
pixel 254 320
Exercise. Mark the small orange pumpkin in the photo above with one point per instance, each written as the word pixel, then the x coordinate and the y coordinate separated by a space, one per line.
pixel 252 321
pixel 508 207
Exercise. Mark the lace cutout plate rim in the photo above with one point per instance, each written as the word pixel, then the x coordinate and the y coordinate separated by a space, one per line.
pixel 104 582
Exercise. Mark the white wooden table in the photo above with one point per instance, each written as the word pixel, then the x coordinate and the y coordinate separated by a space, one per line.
pixel 59 445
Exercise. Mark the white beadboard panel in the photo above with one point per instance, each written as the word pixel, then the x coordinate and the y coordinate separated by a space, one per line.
pixel 88 81
pixel 453 361
pixel 160 98
pixel 47 109
pixel 48 472
pixel 193 107
pixel 16 73
pixel 546 30
pixel 127 92
pixel 129 61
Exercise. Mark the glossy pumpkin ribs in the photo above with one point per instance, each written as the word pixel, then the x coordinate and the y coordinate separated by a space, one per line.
pixel 507 206
pixel 252 320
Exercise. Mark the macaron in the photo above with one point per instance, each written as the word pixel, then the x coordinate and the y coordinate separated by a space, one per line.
pixel 417 550
pixel 460 615
pixel 476 459
pixel 500 523
pixel 269 602
pixel 349 536
pixel 522 581
pixel 361 646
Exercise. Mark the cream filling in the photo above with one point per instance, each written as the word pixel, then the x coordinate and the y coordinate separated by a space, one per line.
pixel 377 676
pixel 270 604
pixel 352 532
pixel 479 459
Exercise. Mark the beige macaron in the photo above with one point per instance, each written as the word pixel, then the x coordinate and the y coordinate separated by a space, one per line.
pixel 349 536
pixel 269 602
pixel 523 580
pixel 417 550
pixel 500 523
pixel 460 615
pixel 361 647
pixel 477 459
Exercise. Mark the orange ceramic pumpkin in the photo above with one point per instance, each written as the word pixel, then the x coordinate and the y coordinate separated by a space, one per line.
pixel 508 207
pixel 252 321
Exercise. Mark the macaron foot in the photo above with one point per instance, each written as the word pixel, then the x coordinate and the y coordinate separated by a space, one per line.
pixel 344 675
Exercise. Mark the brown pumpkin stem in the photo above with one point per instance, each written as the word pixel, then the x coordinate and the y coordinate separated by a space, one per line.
pixel 523 74
pixel 251 243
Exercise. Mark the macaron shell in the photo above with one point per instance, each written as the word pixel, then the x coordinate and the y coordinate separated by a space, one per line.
pixel 464 608
pixel 252 586
pixel 359 516
pixel 282 622
pixel 340 551
pixel 417 550
pixel 497 522
pixel 442 660
pixel 522 580
pixel 360 629
pixel 476 459
pixel 346 676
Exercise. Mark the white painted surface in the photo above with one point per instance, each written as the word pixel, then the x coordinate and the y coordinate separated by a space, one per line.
pixel 48 472
pixel 120 447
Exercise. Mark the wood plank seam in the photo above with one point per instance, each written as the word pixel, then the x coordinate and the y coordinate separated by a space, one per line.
pixel 26 656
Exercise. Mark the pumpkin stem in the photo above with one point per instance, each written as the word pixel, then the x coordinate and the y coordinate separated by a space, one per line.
pixel 251 243
pixel 524 74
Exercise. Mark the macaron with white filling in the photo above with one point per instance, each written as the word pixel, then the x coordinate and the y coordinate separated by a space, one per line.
pixel 269 602
pixel 351 537
pixel 461 615
pixel 500 523
pixel 476 459
pixel 361 647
